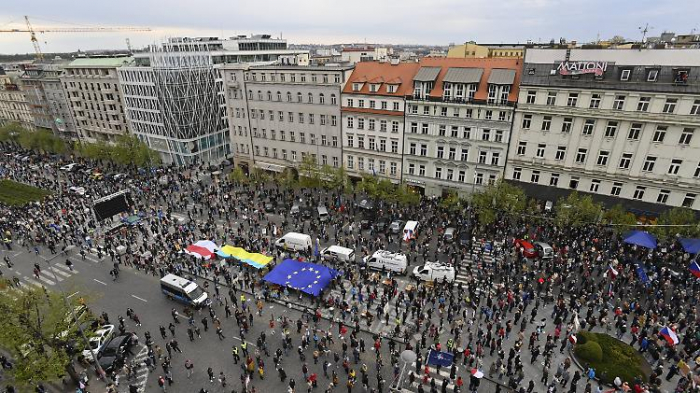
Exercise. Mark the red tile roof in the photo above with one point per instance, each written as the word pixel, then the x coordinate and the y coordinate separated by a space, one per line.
pixel 401 74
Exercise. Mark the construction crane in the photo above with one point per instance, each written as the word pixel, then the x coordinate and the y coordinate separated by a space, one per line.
pixel 32 32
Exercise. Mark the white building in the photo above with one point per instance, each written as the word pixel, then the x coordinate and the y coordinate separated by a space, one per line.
pixel 373 118
pixel 280 113
pixel 620 124
pixel 354 55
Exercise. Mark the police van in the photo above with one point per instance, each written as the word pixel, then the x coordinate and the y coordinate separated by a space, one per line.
pixel 184 291
pixel 387 261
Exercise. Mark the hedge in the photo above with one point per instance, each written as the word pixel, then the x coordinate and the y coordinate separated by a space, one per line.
pixel 615 359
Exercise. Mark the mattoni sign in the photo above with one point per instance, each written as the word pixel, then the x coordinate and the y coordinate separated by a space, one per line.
pixel 582 67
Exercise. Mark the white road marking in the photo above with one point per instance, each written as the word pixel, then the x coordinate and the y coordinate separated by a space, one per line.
pixel 73 294
pixel 136 297
pixel 46 280
pixel 99 281
pixel 65 268
pixel 59 272
pixel 33 282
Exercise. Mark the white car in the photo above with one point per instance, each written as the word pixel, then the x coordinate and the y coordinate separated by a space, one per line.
pixel 98 339
pixel 77 190
pixel 69 167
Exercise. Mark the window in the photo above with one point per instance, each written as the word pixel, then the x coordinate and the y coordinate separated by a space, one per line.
pixel 660 134
pixel 361 141
pixel 372 104
pixel 438 172
pixel 625 161
pixel 424 150
pixel 635 131
pixel 284 154
pixel 581 155
pixel 421 170
pixel 611 129
pixel 486 135
pixel 311 118
pixel 695 109
pixel 573 182
pixel 495 156
pixel 670 105
pixel 394 126
pixel 302 137
pixel 465 155
pixel 411 169
pixel 540 150
pixel 482 157
pixel 567 124
pixel 382 166
pixel 619 102
pixel 392 169
pixel 282 137
pixel 616 189
pixel 499 135
pixel 602 158
pixel 360 103
pixel 663 196
pixel 394 146
pixel 414 128
pixel 595 185
pixel 382 145
pixel 334 141
pixel 535 177
pixel 290 117
pixel 595 101
pixel 649 163
pixel 689 200
pixel 361 163
pixel 360 123
pixel 686 136
pixel 301 118
pixel 395 105
pixel 334 100
pixel 517 173
pixel 546 123
pixel 382 125
pixel 462 176
pixel 527 121
pixel 675 166
pixel 443 111
pixel 639 192
pixel 424 129
pixel 561 153
pixel 351 122
pixel 572 100
pixel 370 164
pixel 441 130
pixel 479 179
pixel 588 127
pixel 453 153
pixel 323 120
pixel 426 110
pixel 522 146
pixel 551 98
pixel 351 162
pixel 554 179
pixel 625 75
pixel 531 95
pixel 697 171
pixel 643 104
pixel 455 132
pixel 652 75
pixel 466 134
pixel 370 124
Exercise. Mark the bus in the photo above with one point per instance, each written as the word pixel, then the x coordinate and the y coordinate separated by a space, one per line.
pixel 184 291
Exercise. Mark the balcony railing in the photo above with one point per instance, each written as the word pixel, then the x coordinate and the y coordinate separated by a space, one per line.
pixel 454 100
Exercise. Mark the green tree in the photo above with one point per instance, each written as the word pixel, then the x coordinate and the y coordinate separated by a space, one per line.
pixel 452 202
pixel 406 196
pixel 685 218
pixel 288 178
pixel 36 328
pixel 309 173
pixel 620 219
pixel 501 198
pixel 369 185
pixel 576 210
pixel 237 176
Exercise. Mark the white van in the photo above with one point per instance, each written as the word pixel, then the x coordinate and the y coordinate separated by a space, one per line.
pixel 183 290
pixel 411 228
pixel 295 241
pixel 337 253
pixel 449 234
pixel 323 213
pixel 387 260
pixel 435 271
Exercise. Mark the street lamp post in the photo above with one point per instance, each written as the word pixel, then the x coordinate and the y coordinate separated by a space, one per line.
pixel 98 368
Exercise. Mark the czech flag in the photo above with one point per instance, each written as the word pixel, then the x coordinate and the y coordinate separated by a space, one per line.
pixel 407 235
pixel 695 269
pixel 670 336
pixel 612 272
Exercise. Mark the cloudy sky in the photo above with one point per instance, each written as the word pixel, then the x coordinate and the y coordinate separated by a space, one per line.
pixel 437 22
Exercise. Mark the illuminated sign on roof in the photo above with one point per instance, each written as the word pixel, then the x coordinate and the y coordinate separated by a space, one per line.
pixel 582 67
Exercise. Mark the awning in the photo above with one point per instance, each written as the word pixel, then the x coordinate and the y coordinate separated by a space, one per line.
pixel 500 76
pixel 427 74
pixel 270 167
pixel 463 75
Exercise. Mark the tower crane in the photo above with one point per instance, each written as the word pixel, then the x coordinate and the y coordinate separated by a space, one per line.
pixel 33 30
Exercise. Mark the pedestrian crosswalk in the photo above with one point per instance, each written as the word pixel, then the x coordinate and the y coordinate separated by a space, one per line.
pixel 48 276
pixel 426 379
pixel 141 374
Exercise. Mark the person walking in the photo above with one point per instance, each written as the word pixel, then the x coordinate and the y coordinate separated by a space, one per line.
pixel 210 372
pixel 189 366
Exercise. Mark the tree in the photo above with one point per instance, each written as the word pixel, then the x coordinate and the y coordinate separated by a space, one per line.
pixel 368 185
pixel 452 202
pixel 576 210
pixel 685 218
pixel 288 178
pixel 501 198
pixel 406 196
pixel 36 328
pixel 309 174
pixel 620 219
pixel 237 176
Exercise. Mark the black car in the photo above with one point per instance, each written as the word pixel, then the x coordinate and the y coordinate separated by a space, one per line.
pixel 112 355
pixel 382 225
pixel 307 213
pixel 464 238
pixel 270 207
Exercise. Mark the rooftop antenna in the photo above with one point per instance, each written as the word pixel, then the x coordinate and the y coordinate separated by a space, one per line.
pixel 645 30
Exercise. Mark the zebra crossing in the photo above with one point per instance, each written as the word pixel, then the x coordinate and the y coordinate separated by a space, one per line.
pixel 48 276
pixel 141 375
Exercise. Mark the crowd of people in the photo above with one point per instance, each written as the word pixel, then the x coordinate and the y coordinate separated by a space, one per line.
pixel 512 318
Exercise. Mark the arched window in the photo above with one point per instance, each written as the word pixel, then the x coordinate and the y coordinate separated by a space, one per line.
pixel 321 99
pixel 289 97
pixel 299 99
pixel 334 101
pixel 269 96
pixel 279 96
pixel 260 95
pixel 250 94
pixel 311 98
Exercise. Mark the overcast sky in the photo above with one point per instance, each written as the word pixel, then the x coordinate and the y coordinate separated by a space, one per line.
pixel 437 22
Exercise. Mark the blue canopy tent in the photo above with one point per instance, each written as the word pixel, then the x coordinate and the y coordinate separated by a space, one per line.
pixel 691 246
pixel 641 238
pixel 304 276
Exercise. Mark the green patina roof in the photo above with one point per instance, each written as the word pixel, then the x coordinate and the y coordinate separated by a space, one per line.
pixel 101 62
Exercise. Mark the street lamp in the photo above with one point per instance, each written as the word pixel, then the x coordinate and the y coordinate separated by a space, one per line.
pixel 98 368
pixel 407 357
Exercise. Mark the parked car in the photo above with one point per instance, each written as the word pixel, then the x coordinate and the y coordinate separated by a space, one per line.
pixel 449 234
pixel 396 226
pixel 382 224
pixel 526 248
pixel 295 210
pixel 97 341
pixel 69 167
pixel 464 238
pixel 269 206
pixel 112 355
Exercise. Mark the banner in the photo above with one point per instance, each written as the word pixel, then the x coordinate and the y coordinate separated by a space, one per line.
pixel 437 358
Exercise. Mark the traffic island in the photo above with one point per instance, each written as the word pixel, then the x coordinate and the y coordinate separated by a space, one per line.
pixel 610 358
pixel 13 193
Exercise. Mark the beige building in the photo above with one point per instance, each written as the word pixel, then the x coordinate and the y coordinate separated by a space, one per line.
pixel 472 50
pixel 14 107
pixel 94 92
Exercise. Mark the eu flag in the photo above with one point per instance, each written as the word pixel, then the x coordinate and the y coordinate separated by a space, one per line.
pixel 437 358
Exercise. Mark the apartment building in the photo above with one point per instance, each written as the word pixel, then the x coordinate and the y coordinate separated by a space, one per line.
pixel 472 50
pixel 14 107
pixel 94 93
pixel 620 124
pixel 280 113
pixel 47 99
pixel 373 106
pixel 353 55
pixel 458 120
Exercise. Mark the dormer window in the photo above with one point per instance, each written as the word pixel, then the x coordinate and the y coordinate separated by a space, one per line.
pixel 374 87
pixel 391 88
pixel 652 75
pixel 356 86
pixel 625 75
pixel 680 76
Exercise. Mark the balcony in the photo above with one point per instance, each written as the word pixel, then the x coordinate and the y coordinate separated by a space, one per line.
pixel 453 100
